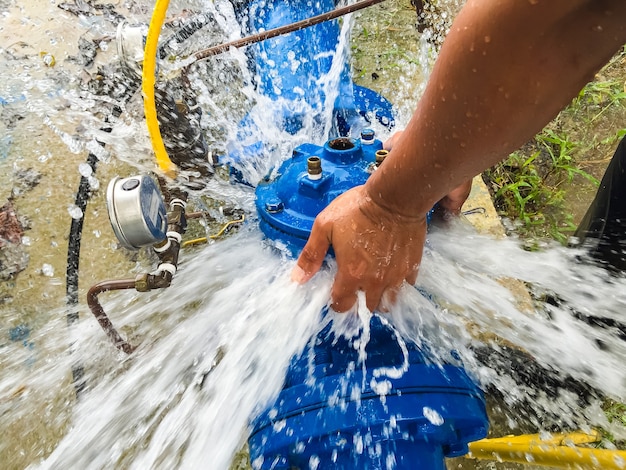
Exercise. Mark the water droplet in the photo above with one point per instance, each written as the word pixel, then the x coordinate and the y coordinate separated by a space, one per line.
pixel 75 211
pixel 94 183
pixel 433 416
pixel 85 169
pixel 279 425
pixel 47 270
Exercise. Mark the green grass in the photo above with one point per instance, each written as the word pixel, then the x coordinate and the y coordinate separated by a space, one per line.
pixel 528 187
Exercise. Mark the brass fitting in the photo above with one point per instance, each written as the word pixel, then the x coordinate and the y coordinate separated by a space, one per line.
pixel 314 167
pixel 380 156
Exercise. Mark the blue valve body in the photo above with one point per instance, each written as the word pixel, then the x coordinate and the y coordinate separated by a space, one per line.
pixel 288 203
pixel 332 412
pixel 337 412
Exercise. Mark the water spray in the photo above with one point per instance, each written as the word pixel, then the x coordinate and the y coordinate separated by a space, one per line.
pixel 392 407
pixel 135 205
pixel 287 206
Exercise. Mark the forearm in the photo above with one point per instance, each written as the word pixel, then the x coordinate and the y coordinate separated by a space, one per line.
pixel 505 70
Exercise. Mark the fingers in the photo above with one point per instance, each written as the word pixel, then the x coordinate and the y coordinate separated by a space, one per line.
pixel 411 278
pixel 381 292
pixel 454 200
pixel 376 250
pixel 388 299
pixel 343 293
pixel 312 256
pixel 391 141
pixel 374 296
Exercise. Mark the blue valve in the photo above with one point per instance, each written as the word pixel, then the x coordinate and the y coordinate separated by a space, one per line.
pixel 308 182
pixel 335 410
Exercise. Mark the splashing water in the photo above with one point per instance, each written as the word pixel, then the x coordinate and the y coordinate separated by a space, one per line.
pixel 215 353
pixel 213 348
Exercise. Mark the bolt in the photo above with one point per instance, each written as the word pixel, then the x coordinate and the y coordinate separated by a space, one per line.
pixel 380 156
pixel 274 207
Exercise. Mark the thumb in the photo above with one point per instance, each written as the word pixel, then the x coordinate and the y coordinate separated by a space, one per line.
pixel 312 256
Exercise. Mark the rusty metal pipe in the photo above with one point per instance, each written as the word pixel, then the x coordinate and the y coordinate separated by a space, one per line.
pixel 296 26
pixel 101 316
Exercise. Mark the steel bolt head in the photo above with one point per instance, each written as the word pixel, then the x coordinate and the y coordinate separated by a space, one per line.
pixel 274 207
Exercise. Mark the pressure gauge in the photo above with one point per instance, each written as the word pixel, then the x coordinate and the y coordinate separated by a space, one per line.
pixel 136 211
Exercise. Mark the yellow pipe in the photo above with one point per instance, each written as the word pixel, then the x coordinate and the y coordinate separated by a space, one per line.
pixel 147 86
pixel 557 451
pixel 571 438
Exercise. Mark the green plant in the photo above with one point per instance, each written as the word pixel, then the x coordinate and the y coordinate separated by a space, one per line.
pixel 518 186
pixel 559 149
pixel 614 138
pixel 606 92
pixel 616 414
pixel 528 186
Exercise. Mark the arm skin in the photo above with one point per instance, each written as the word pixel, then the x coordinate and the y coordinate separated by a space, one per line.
pixel 505 70
pixel 451 204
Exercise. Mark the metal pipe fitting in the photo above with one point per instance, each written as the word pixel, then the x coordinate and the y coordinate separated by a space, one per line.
pixel 167 250
pixel 314 168
pixel 380 156
pixel 101 316
pixel 368 136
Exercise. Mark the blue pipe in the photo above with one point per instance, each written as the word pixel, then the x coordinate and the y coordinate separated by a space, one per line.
pixel 289 69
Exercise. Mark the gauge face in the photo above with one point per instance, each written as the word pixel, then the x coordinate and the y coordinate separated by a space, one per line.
pixel 136 211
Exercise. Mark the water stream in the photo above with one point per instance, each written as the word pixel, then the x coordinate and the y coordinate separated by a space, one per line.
pixel 533 328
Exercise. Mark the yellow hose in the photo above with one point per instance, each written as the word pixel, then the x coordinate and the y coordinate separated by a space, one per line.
pixel 147 86
pixel 197 241
pixel 561 451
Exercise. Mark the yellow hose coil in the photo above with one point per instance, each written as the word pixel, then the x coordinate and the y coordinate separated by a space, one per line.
pixel 147 86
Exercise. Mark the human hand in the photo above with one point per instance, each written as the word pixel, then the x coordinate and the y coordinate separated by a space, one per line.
pixel 376 250
pixel 450 205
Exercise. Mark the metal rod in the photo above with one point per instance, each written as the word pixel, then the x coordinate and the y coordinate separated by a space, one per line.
pixel 298 25
pixel 101 316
